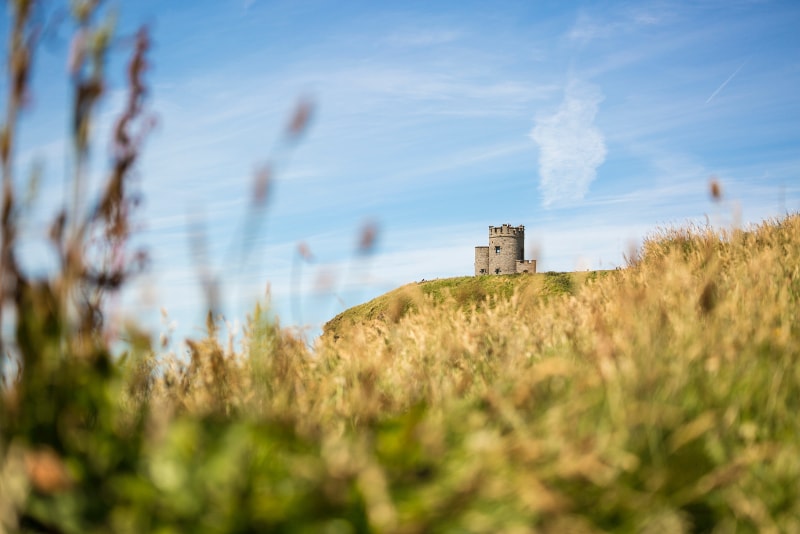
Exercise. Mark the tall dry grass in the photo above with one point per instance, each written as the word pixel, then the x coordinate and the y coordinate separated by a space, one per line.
pixel 662 397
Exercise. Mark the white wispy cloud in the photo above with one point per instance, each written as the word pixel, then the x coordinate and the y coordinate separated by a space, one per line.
pixel 590 27
pixel 571 147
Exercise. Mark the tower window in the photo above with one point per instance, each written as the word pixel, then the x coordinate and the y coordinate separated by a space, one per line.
pixel 497 250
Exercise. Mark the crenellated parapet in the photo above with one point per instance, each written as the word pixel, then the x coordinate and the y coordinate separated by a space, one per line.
pixel 507 230
pixel 526 266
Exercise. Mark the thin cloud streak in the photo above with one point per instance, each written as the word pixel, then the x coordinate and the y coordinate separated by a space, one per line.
pixel 726 82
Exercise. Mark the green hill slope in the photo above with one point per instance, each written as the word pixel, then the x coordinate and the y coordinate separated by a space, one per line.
pixel 463 291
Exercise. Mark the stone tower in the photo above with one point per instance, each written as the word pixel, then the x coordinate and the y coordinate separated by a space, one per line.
pixel 506 246
pixel 505 253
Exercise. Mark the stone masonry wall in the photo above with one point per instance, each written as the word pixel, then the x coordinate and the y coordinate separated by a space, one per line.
pixel 526 266
pixel 505 253
pixel 481 260
pixel 506 246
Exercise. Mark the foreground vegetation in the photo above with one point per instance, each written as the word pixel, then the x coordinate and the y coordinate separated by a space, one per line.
pixel 658 398
pixel 661 397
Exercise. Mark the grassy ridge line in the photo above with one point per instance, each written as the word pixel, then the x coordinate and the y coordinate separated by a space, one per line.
pixel 463 292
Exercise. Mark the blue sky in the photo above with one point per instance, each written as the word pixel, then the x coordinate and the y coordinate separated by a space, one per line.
pixel 591 123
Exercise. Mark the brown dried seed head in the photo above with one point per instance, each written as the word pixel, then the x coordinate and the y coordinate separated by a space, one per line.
pixel 301 117
pixel 304 251
pixel 369 234
pixel 709 296
pixel 263 179
pixel 138 63
pixel 56 232
pixel 715 189
pixel 20 67
pixel 5 143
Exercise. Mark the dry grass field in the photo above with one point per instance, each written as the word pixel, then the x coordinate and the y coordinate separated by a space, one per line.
pixel 661 398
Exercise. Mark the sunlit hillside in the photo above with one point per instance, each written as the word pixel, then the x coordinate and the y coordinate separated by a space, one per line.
pixel 467 292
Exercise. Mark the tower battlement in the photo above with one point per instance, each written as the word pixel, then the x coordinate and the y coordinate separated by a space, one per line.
pixel 507 230
pixel 505 253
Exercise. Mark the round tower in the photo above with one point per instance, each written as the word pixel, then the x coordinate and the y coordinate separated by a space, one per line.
pixel 506 247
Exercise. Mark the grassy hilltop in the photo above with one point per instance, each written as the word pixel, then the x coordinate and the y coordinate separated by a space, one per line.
pixel 463 292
